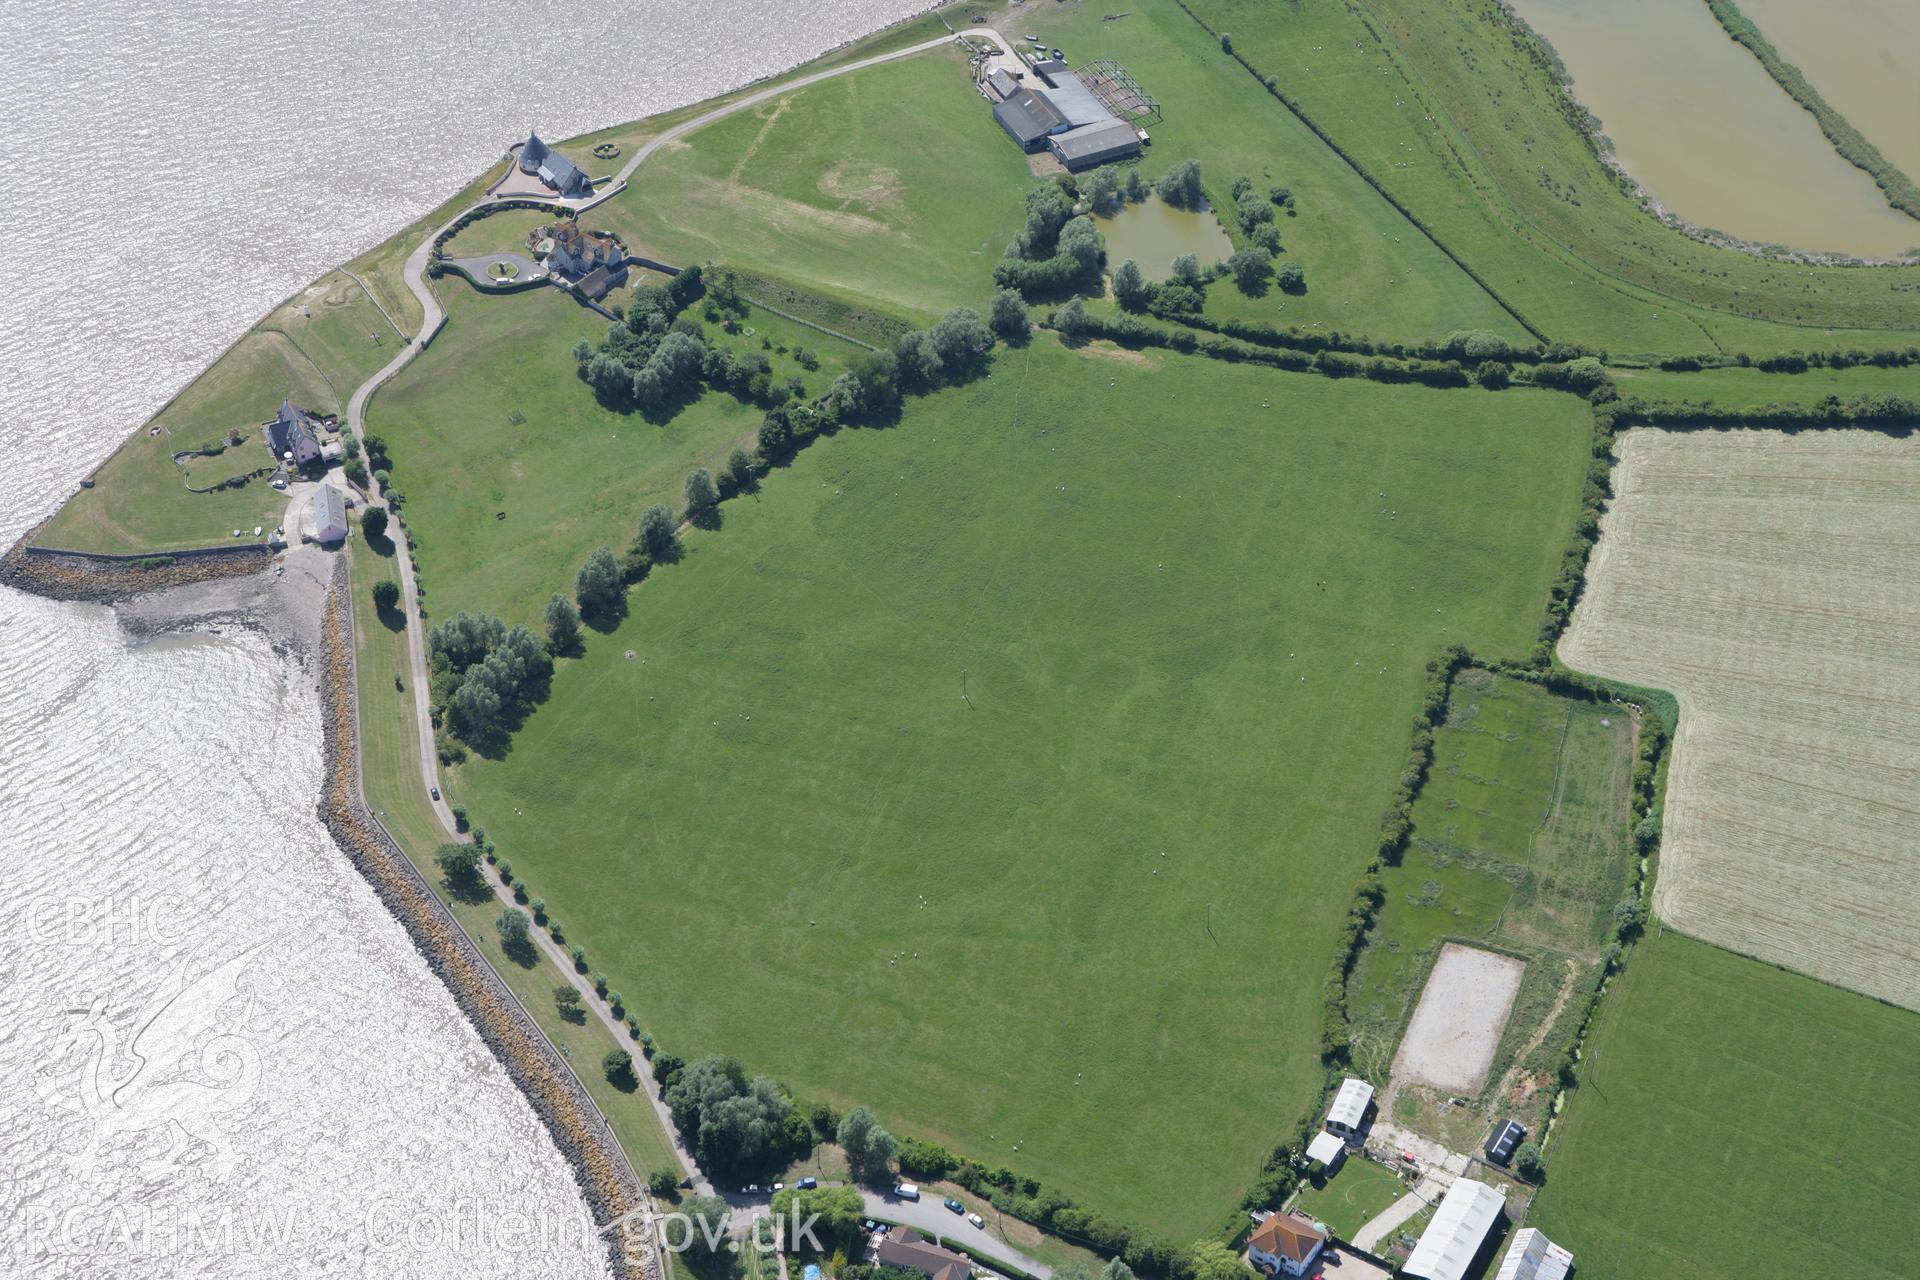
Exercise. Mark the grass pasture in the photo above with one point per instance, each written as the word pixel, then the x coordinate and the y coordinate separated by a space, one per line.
pixel 1453 115
pixel 1739 387
pixel 1520 841
pixel 569 474
pixel 1766 579
pixel 892 183
pixel 781 816
pixel 1368 269
pixel 390 776
pixel 1735 1121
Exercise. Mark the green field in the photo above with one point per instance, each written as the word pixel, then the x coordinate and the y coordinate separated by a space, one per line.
pixel 491 419
pixel 313 348
pixel 1520 840
pixel 1736 386
pixel 391 781
pixel 1458 119
pixel 1181 630
pixel 1368 269
pixel 893 183
pixel 1735 1120
pixel 1354 1196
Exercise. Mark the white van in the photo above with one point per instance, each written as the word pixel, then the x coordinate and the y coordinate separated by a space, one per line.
pixel 907 1191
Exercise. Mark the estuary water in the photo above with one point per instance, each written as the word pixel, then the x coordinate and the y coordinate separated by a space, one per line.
pixel 218 1055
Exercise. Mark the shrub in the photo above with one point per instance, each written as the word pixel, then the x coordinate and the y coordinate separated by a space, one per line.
pixel 661 1182
pixel 1180 186
pixel 1292 278
pixel 1007 314
pixel 579 955
pixel 1530 1162
pixel 618 1064
pixel 458 862
pixel 512 925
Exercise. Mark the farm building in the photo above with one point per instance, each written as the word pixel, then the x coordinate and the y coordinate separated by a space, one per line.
pixel 1532 1256
pixel 1285 1245
pixel 538 160
pixel 1328 1149
pixel 1093 144
pixel 1505 1140
pixel 329 514
pixel 1451 1243
pixel 1348 1113
pixel 1028 117
pixel 1063 114
pixel 293 436
pixel 910 1250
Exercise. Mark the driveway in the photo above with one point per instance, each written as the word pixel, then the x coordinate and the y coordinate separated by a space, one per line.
pixel 927 1214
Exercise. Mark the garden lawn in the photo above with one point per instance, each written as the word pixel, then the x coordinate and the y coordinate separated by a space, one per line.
pixel 1353 1197
pixel 491 419
pixel 1441 104
pixel 314 348
pixel 503 231
pixel 1076 921
pixel 1735 1120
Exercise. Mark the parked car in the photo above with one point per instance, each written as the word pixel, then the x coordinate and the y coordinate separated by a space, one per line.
pixel 807 1184
pixel 953 1206
pixel 976 1220
pixel 906 1191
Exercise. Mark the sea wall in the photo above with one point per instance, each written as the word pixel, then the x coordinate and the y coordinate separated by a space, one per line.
pixel 612 1189
pixel 103 579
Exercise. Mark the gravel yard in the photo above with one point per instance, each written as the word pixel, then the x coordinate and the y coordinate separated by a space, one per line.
pixel 1456 1027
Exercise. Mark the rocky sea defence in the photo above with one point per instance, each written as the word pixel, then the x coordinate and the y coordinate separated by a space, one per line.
pixel 612 1189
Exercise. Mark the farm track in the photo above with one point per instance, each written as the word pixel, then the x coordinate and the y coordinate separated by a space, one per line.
pixel 1766 579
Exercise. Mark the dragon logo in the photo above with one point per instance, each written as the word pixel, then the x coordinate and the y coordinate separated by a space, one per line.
pixel 177 1068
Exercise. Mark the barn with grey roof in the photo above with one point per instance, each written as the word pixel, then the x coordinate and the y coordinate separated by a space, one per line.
pixel 1062 114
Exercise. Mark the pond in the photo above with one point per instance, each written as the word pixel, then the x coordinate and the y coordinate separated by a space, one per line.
pixel 1698 122
pixel 1154 233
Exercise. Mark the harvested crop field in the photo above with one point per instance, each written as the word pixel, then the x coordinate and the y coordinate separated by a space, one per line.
pixel 1456 1026
pixel 1768 580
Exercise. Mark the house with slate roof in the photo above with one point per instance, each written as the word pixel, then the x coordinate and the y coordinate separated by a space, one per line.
pixel 910 1250
pixel 593 260
pixel 538 160
pixel 292 435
